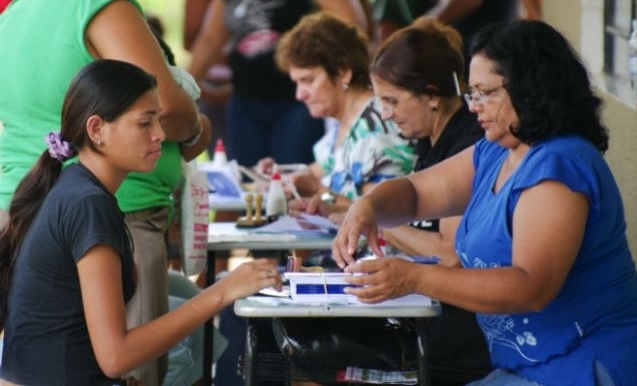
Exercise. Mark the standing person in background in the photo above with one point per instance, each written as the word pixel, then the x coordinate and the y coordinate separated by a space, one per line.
pixel 30 104
pixel 415 76
pixel 216 84
pixel 262 119
pixel 66 258
pixel 542 240
pixel 392 15
pixel 468 16
pixel 531 9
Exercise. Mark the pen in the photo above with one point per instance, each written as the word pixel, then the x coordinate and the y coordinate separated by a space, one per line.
pixel 292 187
pixel 425 259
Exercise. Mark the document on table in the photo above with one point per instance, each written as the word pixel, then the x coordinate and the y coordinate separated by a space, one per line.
pixel 219 233
pixel 301 224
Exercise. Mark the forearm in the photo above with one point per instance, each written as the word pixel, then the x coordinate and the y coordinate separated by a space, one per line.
pixel 488 290
pixel 418 242
pixel 194 16
pixel 180 121
pixel 452 11
pixel 207 48
pixel 217 93
pixel 350 11
pixel 190 152
pixel 108 36
pixel 394 202
pixel 156 337
pixel 202 57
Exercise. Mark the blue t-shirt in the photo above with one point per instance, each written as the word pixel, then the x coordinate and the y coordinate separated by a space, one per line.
pixel 594 315
pixel 46 339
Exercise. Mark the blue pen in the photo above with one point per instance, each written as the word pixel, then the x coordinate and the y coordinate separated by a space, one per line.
pixel 425 259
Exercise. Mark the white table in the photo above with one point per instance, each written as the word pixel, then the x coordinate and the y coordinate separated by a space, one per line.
pixel 224 236
pixel 260 307
pixel 226 203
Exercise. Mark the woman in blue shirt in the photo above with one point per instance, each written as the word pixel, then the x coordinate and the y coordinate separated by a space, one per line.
pixel 542 240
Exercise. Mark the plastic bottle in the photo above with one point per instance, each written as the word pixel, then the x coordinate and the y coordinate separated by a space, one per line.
pixel 220 158
pixel 632 54
pixel 276 204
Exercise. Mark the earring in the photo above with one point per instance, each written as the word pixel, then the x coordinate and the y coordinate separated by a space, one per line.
pixel 99 143
pixel 434 108
pixel 345 86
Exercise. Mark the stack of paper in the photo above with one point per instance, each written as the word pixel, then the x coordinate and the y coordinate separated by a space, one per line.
pixel 301 224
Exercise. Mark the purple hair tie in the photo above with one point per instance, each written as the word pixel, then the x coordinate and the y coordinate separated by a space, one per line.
pixel 58 147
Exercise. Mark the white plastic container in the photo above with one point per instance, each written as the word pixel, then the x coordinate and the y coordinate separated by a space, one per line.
pixel 276 203
pixel 219 157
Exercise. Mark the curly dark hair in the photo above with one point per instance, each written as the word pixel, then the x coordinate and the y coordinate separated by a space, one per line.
pixel 546 80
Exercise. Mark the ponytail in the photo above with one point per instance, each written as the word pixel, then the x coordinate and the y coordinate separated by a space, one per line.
pixel 26 202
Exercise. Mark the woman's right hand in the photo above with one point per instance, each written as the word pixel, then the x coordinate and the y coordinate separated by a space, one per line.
pixel 307 184
pixel 265 166
pixel 359 220
pixel 249 278
pixel 298 206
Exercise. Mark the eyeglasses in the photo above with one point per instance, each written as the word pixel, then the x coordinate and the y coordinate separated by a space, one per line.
pixel 481 96
pixel 387 107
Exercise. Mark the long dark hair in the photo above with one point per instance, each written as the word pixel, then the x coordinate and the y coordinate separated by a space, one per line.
pixel 107 88
pixel 546 80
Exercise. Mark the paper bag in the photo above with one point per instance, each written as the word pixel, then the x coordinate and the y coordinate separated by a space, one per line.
pixel 194 219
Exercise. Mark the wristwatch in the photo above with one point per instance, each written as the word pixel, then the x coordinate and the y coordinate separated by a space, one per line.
pixel 328 197
pixel 190 142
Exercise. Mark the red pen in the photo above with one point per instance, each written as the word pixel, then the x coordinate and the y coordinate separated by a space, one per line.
pixel 383 246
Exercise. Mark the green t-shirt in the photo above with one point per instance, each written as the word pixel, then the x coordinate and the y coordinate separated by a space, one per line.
pixel 42 49
pixel 154 189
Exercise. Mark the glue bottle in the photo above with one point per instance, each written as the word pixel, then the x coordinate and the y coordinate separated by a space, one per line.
pixel 219 158
pixel 276 203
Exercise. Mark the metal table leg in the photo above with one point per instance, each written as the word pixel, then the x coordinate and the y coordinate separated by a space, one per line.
pixel 207 332
pixel 423 360
pixel 251 354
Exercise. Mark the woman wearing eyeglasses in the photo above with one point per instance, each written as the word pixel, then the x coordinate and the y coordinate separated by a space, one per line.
pixel 547 267
pixel 415 74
